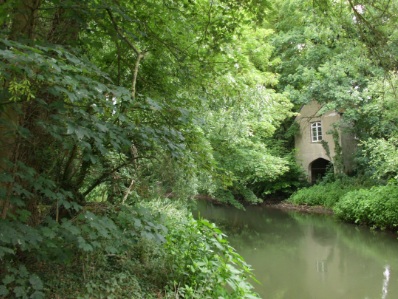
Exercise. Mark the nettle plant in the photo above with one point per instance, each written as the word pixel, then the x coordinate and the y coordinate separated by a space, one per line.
pixel 204 265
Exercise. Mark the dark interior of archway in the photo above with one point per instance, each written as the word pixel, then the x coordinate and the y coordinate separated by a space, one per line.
pixel 319 167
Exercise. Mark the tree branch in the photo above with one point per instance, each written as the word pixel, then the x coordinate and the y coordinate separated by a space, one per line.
pixel 140 54
pixel 136 50
pixel 105 175
pixel 102 178
pixel 135 73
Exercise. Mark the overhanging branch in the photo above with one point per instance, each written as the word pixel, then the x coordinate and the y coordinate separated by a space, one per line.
pixel 140 54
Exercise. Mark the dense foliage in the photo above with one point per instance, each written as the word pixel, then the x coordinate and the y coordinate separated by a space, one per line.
pixel 376 207
pixel 326 193
pixel 107 104
pixel 125 252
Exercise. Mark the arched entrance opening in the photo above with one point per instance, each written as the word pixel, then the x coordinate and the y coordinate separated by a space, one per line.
pixel 318 169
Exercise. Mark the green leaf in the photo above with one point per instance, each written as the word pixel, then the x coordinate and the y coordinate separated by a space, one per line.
pixel 5 250
pixel 3 291
pixel 20 292
pixel 8 279
pixel 102 127
pixel 84 245
pixel 36 282
pixel 37 295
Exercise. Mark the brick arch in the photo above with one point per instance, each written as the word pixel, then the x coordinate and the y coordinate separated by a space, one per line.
pixel 318 168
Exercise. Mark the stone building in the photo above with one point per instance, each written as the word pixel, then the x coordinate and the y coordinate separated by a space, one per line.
pixel 316 149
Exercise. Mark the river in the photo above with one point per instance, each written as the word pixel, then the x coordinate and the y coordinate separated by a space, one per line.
pixel 305 256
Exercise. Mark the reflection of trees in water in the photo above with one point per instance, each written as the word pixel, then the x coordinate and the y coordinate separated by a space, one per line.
pixel 362 241
pixel 367 252
pixel 263 226
pixel 360 254
pixel 257 227
pixel 271 241
pixel 324 235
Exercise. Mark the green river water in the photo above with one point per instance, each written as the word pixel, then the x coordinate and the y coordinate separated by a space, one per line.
pixel 305 256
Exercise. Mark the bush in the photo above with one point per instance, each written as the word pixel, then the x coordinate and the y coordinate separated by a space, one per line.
pixel 204 265
pixel 199 261
pixel 91 254
pixel 376 207
pixel 325 194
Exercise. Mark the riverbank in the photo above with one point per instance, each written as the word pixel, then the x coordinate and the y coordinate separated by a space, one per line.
pixel 288 206
pixel 279 203
pixel 353 200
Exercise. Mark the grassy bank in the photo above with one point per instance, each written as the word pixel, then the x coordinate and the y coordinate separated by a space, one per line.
pixel 354 200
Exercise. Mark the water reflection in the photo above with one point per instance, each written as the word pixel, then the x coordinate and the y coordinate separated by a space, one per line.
pixel 301 256
pixel 386 274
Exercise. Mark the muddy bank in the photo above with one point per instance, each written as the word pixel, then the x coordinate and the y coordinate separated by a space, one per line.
pixel 287 206
pixel 276 203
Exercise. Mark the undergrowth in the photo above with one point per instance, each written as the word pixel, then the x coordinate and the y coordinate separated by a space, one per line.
pixel 355 200
pixel 376 207
pixel 155 249
pixel 326 193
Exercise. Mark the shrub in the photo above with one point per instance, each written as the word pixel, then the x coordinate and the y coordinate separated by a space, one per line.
pixel 204 265
pixel 325 194
pixel 89 254
pixel 121 251
pixel 376 207
pixel 199 261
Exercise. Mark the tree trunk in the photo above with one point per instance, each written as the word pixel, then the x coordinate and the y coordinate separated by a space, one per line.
pixel 24 17
pixel 65 26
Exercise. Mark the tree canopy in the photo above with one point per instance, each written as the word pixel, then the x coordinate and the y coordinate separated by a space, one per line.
pixel 118 102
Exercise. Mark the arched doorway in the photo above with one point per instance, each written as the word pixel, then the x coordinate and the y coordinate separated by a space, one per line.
pixel 318 169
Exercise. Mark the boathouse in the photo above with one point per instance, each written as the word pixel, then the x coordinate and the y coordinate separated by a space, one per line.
pixel 323 142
